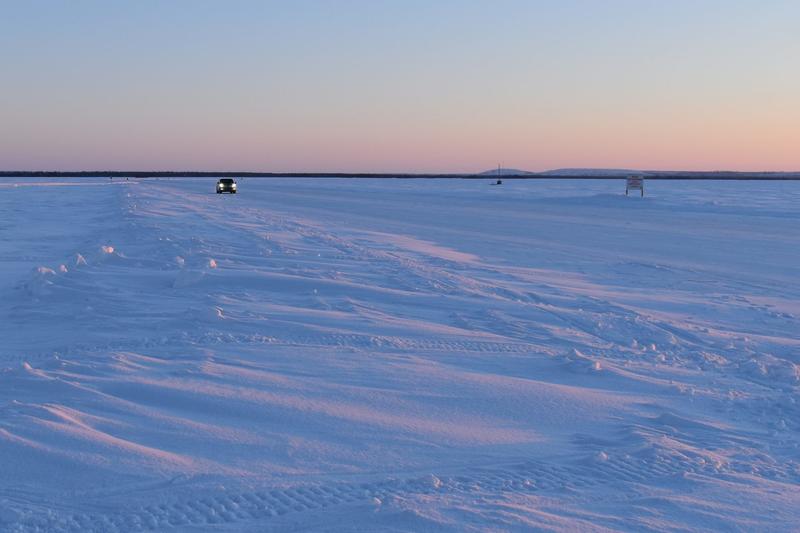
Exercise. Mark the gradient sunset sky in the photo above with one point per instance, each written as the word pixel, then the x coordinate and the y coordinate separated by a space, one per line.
pixel 399 86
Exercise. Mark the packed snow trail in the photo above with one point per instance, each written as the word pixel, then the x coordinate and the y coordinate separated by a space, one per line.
pixel 398 354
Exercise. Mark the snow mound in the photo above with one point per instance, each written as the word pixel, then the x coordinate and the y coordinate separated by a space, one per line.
pixel 40 281
pixel 192 275
pixel 769 367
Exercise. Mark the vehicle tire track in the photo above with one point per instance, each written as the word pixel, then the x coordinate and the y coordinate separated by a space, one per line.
pixel 533 476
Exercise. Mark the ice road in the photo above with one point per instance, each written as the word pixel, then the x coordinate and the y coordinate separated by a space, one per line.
pixel 401 355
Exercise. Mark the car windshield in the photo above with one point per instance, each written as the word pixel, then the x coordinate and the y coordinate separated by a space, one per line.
pixel 226 181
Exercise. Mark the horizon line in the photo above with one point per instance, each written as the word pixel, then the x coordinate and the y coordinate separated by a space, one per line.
pixel 568 173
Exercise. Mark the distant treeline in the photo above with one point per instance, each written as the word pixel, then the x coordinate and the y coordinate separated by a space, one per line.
pixel 650 174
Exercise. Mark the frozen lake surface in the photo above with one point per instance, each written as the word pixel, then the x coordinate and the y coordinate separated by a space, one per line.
pixel 404 355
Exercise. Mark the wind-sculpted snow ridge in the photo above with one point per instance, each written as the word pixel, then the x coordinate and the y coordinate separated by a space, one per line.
pixel 408 356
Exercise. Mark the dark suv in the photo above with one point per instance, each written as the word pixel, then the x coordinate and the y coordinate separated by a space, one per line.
pixel 226 185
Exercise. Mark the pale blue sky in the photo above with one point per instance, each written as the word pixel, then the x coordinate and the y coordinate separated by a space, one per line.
pixel 399 85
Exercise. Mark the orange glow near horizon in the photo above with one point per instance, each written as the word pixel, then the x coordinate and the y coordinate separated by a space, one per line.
pixel 422 88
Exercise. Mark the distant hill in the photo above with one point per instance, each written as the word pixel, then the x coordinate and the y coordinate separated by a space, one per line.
pixel 605 172
pixel 658 174
pixel 506 172
pixel 593 172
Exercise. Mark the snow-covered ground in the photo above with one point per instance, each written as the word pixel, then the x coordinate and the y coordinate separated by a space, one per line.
pixel 405 355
